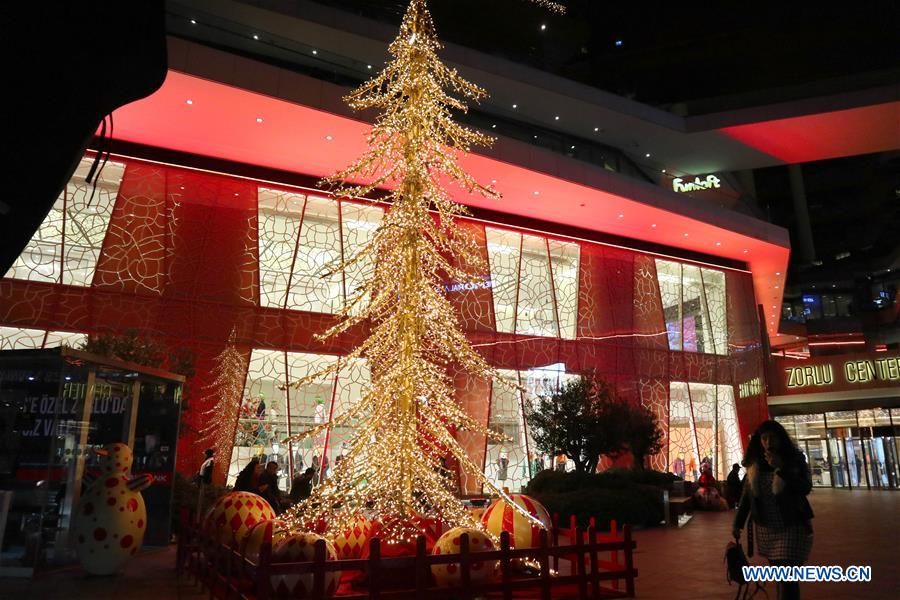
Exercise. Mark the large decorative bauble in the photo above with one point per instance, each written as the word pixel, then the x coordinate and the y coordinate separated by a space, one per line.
pixel 300 546
pixel 273 529
pixel 111 518
pixel 523 532
pixel 350 543
pixel 482 571
pixel 234 514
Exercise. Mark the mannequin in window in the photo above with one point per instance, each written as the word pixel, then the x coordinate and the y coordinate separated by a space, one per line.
pixel 678 466
pixel 502 465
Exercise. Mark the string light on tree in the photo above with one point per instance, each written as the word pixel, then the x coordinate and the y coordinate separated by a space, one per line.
pixel 393 469
pixel 228 387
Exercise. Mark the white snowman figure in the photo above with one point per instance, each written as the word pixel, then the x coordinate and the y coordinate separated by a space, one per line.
pixel 111 517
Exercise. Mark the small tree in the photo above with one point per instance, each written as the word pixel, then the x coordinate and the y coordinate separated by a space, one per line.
pixel 583 420
pixel 643 434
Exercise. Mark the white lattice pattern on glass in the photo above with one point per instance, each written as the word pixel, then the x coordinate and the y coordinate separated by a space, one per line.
pixel 693 307
pixel 67 245
pixel 16 338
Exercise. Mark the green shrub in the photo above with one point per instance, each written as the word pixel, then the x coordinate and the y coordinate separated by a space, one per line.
pixel 637 505
pixel 552 482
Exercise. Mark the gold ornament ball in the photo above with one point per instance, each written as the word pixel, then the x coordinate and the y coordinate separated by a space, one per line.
pixel 232 516
pixel 300 546
pixel 523 533
pixel 450 574
pixel 251 544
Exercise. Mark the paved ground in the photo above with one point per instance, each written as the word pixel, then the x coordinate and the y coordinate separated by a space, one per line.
pixel 851 528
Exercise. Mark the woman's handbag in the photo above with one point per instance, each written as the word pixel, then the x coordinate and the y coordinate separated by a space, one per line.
pixel 736 560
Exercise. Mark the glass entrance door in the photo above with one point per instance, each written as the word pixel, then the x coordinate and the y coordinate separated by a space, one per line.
pixel 855 463
pixel 838 454
pixel 817 456
pixel 876 456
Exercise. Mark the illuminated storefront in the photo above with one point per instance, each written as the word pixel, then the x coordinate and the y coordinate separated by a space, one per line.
pixel 844 413
pixel 188 255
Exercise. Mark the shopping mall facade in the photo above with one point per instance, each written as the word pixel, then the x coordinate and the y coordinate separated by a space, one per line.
pixel 207 220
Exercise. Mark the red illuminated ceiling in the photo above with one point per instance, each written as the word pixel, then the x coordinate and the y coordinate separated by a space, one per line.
pixel 827 135
pixel 197 116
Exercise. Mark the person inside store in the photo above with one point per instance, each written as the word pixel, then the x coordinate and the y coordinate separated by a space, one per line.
pixel 248 479
pixel 301 485
pixel 774 497
pixel 205 473
pixel 267 486
pixel 733 485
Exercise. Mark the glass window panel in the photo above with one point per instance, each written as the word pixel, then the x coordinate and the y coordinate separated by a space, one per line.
pixel 353 381
pixel 359 223
pixel 506 463
pixel 83 222
pixel 64 338
pixel 318 251
pixel 682 447
pixel 279 216
pixel 311 405
pixel 503 249
pixel 14 338
pixel 668 275
pixel 696 331
pixel 714 287
pixel 564 257
pixel 866 417
pixel 809 426
pixel 729 446
pixel 882 416
pixel 841 418
pixel 703 401
pixel 87 219
pixel 536 313
pixel 262 419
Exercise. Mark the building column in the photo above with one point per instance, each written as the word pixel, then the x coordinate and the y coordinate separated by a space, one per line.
pixel 805 246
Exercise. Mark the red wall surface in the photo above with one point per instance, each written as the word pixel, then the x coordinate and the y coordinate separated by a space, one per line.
pixel 179 261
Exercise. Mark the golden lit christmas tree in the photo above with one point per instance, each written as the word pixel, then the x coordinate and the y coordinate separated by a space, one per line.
pixel 393 470
pixel 228 386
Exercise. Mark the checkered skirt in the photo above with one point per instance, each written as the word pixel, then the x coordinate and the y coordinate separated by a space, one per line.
pixel 775 540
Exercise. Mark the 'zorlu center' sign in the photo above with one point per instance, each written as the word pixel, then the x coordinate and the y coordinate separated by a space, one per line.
pixel 853 371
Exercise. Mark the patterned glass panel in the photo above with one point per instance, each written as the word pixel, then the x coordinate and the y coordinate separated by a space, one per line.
pixel 506 463
pixel 703 400
pixel 683 459
pixel 14 338
pixel 80 222
pixel 64 338
pixel 729 435
pixel 503 254
pixel 696 333
pixel 262 418
pixel 668 274
pixel 359 223
pixel 564 258
pixel 353 381
pixel 279 223
pixel 536 313
pixel 318 251
pixel 310 406
pixel 714 287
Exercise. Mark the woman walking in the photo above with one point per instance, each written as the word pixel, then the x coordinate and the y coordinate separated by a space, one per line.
pixel 774 496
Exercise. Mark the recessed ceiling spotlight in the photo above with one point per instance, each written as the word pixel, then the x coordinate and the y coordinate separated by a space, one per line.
pixel 515 106
pixel 535 137
pixel 188 101
pixel 746 251
pixel 572 148
pixel 259 119
pixel 718 243
pixel 618 42
pixel 494 126
pixel 543 27
pixel 779 273
pixel 236 194
pixel 537 193
pixel 493 181
pixel 596 129
pixel 193 22
pixel 329 138
pixel 255 37
pixel 685 235
pixel 653 225
pixel 315 51
pixel 663 170
pixel 556 118
pixel 647 155
pixel 621 216
pixel 776 287
pixel 182 187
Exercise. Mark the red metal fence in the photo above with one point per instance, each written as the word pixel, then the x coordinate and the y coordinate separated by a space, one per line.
pixel 578 569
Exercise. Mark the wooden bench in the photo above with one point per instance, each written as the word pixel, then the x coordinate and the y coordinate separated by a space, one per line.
pixel 679 505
